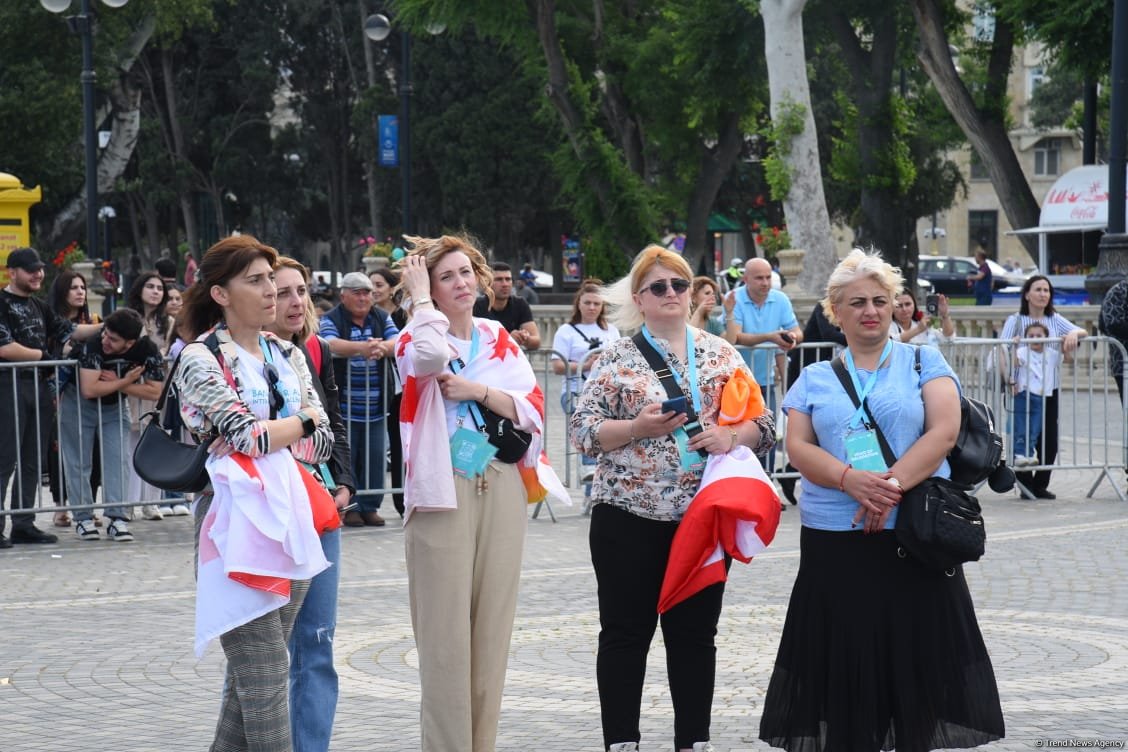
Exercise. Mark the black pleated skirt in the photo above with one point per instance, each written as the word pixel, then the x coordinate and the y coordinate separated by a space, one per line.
pixel 878 653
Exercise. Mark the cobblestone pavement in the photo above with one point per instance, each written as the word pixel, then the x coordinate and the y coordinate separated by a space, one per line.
pixel 97 637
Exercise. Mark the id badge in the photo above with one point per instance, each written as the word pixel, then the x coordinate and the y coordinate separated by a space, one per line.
pixel 691 461
pixel 470 453
pixel 864 452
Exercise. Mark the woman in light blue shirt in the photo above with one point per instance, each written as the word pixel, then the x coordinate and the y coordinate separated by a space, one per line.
pixel 876 651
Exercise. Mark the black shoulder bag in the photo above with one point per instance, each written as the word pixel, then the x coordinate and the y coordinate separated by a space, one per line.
pixel 938 523
pixel 163 461
pixel 511 442
pixel 670 384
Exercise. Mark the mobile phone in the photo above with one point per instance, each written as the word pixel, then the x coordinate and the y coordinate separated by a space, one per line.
pixel 786 337
pixel 932 304
pixel 675 405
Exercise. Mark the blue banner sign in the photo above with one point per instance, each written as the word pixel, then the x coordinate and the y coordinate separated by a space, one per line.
pixel 387 138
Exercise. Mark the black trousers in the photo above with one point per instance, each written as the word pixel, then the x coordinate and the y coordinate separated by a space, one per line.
pixel 21 443
pixel 629 554
pixel 1047 448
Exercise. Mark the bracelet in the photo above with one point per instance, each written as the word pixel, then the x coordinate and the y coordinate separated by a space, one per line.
pixel 732 432
pixel 420 302
pixel 630 428
pixel 842 480
pixel 486 396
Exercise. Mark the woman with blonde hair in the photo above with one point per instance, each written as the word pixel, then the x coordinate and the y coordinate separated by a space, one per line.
pixel 465 496
pixel 877 651
pixel 650 464
pixel 313 678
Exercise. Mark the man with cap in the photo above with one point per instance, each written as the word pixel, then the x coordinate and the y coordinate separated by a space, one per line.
pixel 733 274
pixel 29 332
pixel 365 335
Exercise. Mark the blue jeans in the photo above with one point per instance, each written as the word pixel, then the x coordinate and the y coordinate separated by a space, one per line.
pixel 366 441
pixel 313 680
pixel 80 421
pixel 1027 422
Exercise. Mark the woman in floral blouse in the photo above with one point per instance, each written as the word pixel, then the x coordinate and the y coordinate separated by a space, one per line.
pixel 649 469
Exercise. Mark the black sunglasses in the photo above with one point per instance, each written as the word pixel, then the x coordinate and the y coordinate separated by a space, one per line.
pixel 277 399
pixel 658 289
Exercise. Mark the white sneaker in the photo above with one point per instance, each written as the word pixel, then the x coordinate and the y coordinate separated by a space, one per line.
pixel 165 511
pixel 151 512
pixel 86 531
pixel 703 747
pixel 623 747
pixel 118 530
pixel 180 510
pixel 1021 460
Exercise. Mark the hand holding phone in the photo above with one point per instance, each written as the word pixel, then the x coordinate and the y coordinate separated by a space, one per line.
pixel 675 405
pixel 932 304
pixel 786 337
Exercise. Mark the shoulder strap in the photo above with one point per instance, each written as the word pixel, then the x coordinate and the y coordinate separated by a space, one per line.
pixel 840 371
pixel 586 338
pixel 665 375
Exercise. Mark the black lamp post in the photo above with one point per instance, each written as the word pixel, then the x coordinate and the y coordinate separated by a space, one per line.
pixel 83 25
pixel 377 27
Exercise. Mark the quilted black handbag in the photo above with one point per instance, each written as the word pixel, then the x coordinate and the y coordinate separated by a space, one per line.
pixel 163 461
pixel 940 525
pixel 511 442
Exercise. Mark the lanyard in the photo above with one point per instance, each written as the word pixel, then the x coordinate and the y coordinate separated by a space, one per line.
pixel 860 414
pixel 690 367
pixel 456 366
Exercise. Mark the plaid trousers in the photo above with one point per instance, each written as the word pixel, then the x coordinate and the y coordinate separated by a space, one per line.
pixel 255 713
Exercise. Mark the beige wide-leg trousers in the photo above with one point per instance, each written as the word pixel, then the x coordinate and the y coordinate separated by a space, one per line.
pixel 463 569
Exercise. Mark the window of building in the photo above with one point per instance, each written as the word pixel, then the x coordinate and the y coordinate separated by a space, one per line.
pixel 1047 157
pixel 978 169
pixel 1035 77
pixel 983 22
pixel 983 232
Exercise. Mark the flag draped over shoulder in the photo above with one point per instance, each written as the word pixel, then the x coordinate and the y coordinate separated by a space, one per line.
pixel 257 536
pixel 735 511
pixel 429 474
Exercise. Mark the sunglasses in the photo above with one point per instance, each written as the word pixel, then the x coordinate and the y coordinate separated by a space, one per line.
pixel 277 399
pixel 658 289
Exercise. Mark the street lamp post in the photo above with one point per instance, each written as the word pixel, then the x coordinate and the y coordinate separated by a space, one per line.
pixel 377 27
pixel 83 24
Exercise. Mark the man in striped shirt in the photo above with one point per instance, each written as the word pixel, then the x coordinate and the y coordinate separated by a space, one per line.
pixel 365 336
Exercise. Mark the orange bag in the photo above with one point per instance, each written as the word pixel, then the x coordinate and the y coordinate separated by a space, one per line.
pixel 740 399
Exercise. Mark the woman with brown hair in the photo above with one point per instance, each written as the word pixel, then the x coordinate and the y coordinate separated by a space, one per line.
pixel 703 310
pixel 254 393
pixel 466 501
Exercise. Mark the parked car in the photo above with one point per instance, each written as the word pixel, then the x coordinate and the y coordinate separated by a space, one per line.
pixel 948 274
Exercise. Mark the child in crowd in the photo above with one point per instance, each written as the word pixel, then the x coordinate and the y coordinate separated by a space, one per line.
pixel 1035 373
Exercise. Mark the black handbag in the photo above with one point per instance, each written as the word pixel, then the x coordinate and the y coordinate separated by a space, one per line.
pixel 939 524
pixel 511 442
pixel 164 462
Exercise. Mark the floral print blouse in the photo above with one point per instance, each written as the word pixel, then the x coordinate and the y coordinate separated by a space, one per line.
pixel 645 477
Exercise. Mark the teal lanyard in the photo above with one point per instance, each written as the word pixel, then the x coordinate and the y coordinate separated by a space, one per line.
pixel 456 366
pixel 323 468
pixel 691 365
pixel 860 416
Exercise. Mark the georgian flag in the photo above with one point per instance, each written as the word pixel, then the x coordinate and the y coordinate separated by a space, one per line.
pixel 736 510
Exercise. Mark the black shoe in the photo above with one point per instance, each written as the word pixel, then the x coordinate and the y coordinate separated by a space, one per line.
pixel 32 535
pixel 1044 493
pixel 4 542
pixel 787 485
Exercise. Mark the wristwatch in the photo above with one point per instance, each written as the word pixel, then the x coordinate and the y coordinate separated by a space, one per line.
pixel 308 424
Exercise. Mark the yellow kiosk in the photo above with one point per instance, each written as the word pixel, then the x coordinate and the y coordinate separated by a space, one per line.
pixel 15 230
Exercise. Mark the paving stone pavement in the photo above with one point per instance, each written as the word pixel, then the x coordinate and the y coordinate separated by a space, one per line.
pixel 97 637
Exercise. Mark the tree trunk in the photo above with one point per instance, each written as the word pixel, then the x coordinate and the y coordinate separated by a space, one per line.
pixel 716 162
pixel 179 154
pixel 985 130
pixel 805 204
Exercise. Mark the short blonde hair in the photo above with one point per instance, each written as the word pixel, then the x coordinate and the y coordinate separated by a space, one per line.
pixel 860 265
pixel 433 250
pixel 624 312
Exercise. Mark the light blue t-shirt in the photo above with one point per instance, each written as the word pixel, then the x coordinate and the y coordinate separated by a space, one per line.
pixel 896 406
pixel 776 313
